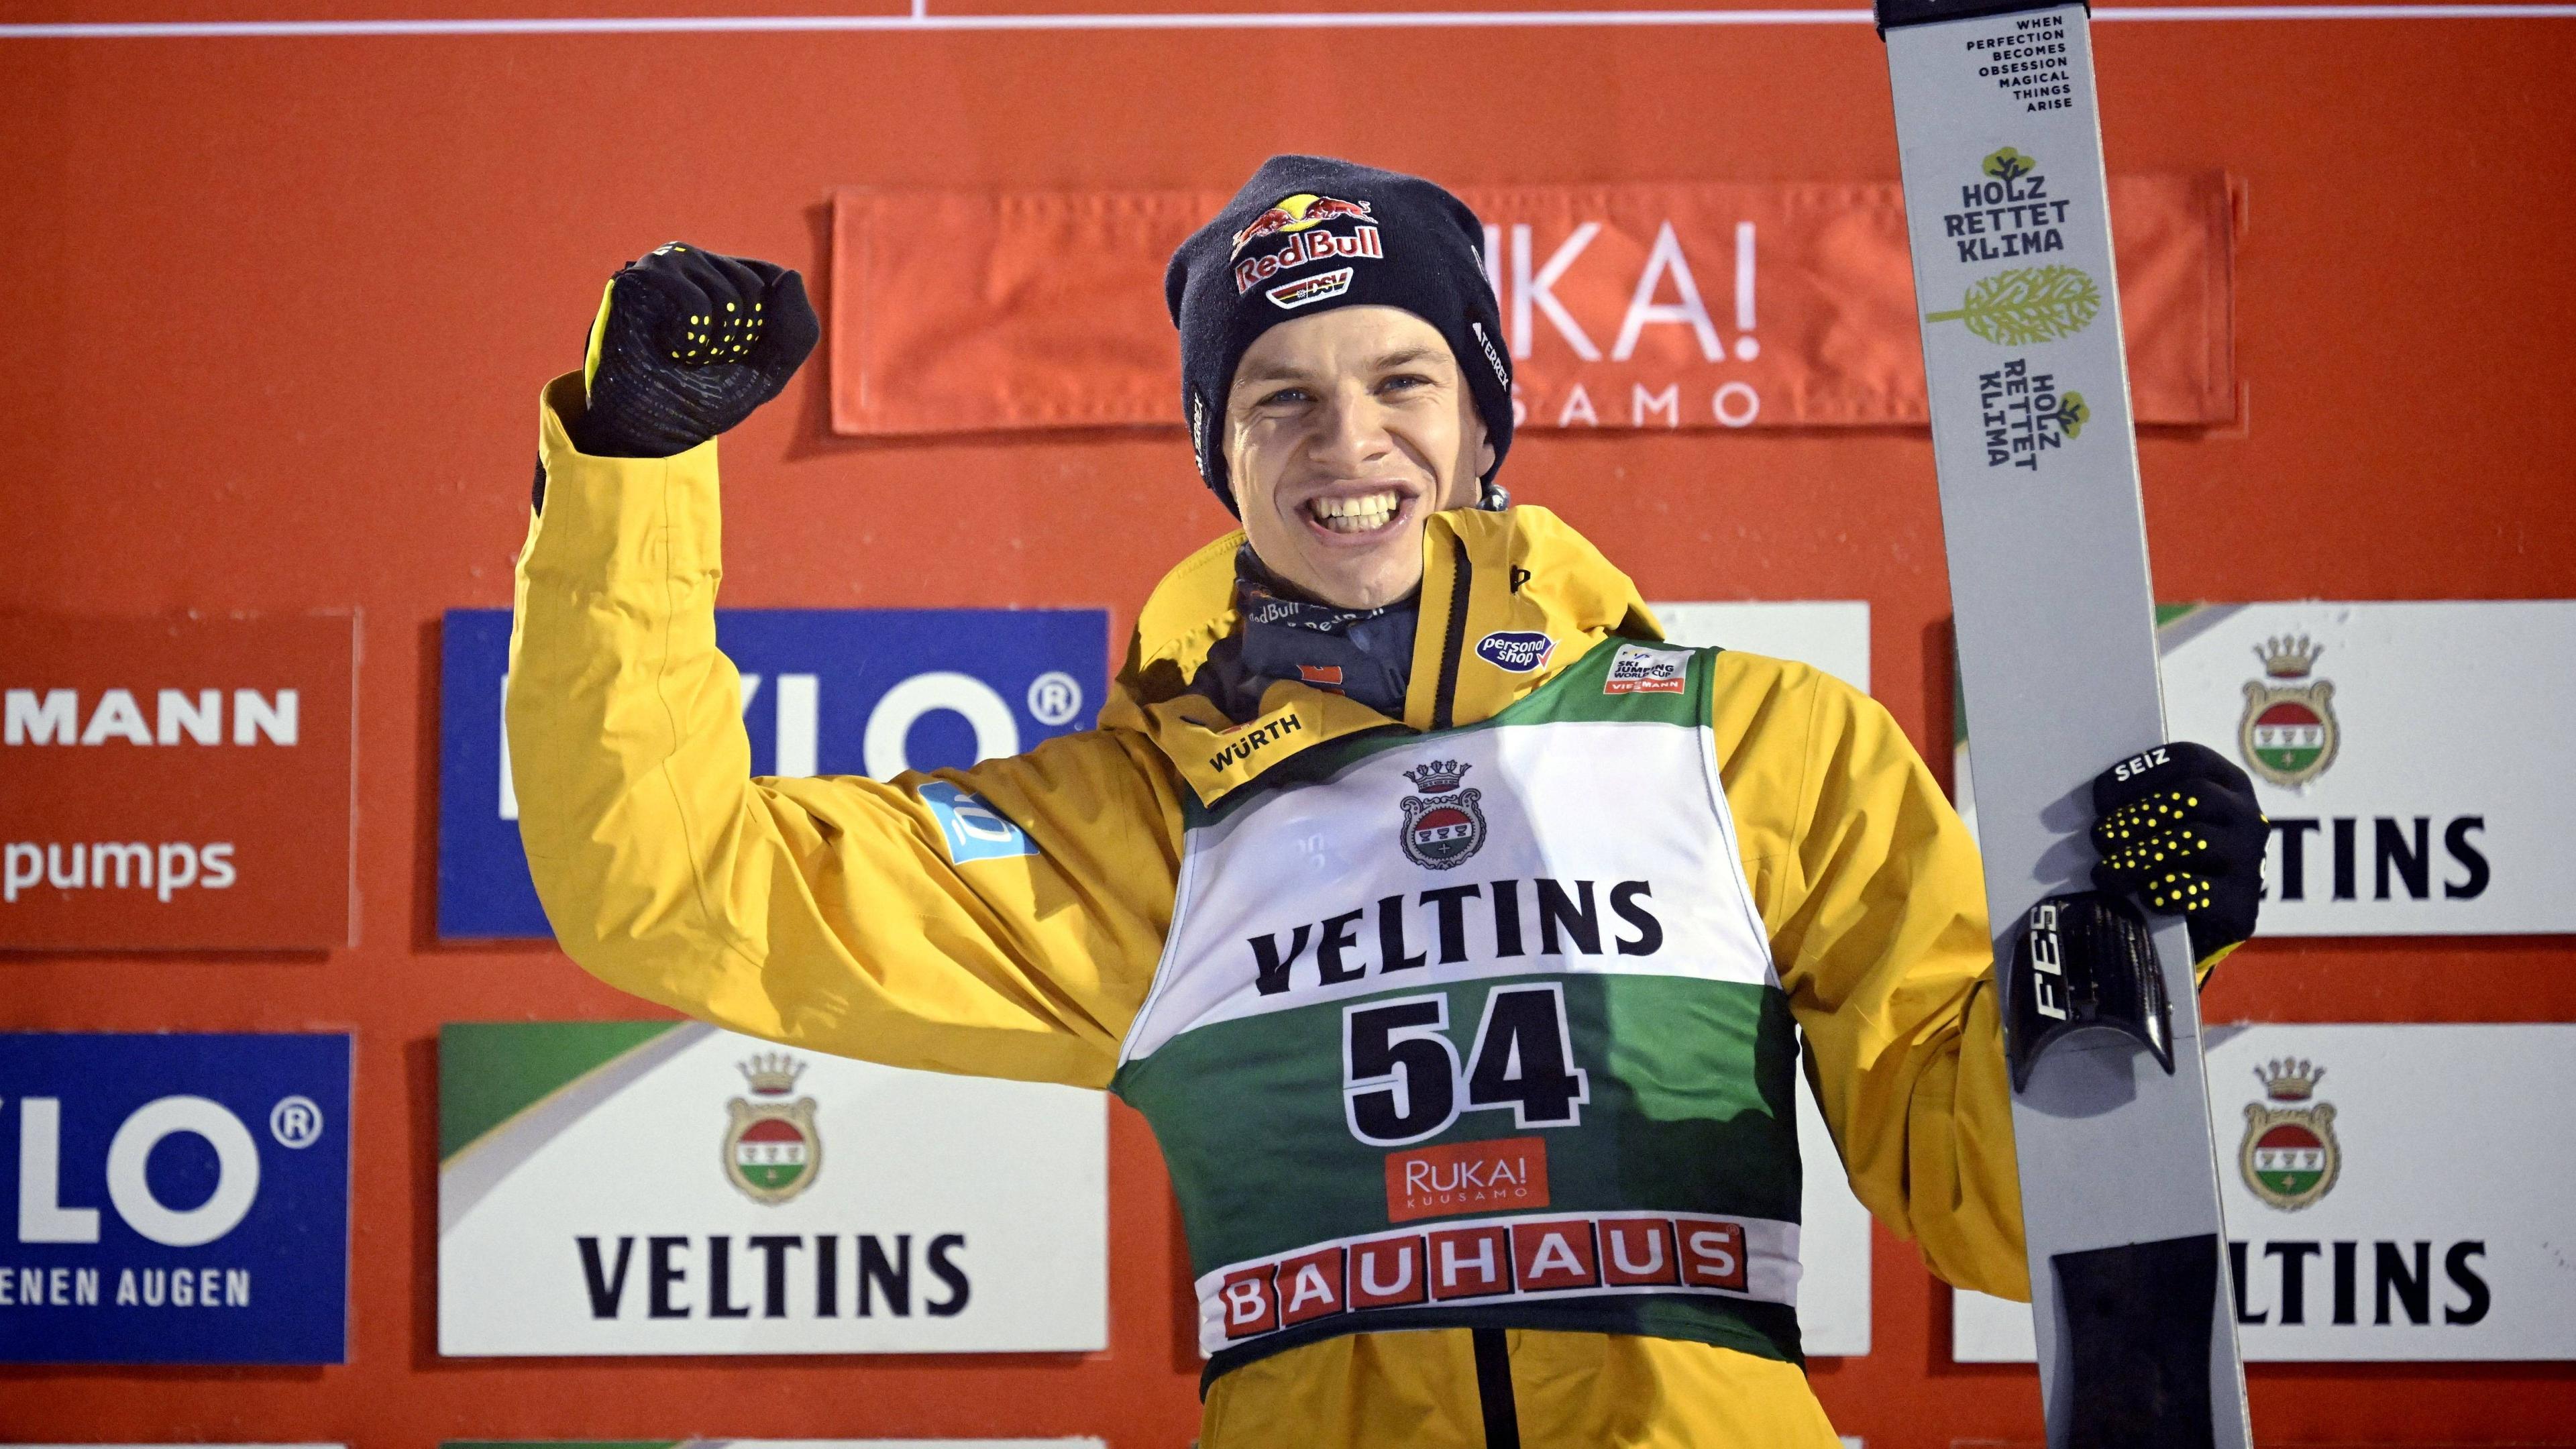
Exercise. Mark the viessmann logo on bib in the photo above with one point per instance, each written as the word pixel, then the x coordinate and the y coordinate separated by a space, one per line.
pixel 1636 669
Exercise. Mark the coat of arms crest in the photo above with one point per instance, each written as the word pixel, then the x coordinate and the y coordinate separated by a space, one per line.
pixel 1442 825
pixel 772 1150
pixel 2289 1156
pixel 2288 735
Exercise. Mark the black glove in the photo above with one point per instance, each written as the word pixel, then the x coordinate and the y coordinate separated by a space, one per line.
pixel 687 343
pixel 2178 829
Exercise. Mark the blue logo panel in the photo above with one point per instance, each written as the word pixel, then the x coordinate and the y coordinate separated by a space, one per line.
pixel 174 1198
pixel 825 692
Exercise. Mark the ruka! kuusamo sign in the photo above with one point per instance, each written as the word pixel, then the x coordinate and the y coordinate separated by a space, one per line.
pixel 2407 754
pixel 1700 305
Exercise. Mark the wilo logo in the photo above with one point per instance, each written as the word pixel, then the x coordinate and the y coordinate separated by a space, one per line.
pixel 180 716
pixel 150 1222
pixel 43 1217
pixel 1054 698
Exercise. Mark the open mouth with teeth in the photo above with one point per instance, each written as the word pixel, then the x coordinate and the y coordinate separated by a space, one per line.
pixel 1360 513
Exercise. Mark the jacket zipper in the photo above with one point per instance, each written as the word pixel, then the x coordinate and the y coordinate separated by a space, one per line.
pixel 1444 699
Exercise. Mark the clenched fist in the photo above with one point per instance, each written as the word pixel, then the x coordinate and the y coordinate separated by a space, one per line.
pixel 688 342
pixel 2179 828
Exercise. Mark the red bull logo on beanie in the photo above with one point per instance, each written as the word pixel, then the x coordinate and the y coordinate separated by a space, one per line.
pixel 1296 213
pixel 1297 218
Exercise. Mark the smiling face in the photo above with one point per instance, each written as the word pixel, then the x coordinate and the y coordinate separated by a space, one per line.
pixel 1344 433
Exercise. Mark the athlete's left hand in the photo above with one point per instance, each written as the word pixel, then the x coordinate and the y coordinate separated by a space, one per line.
pixel 2178 828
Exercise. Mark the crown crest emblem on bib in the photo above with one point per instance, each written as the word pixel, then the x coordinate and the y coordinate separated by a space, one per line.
pixel 1443 825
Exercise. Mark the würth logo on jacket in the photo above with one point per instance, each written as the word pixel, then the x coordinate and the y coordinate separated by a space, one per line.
pixel 1442 825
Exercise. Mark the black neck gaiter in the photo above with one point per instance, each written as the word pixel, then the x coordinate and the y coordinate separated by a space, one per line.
pixel 1366 654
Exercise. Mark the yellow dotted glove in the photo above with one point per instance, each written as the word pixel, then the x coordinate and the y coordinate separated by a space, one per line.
pixel 2178 829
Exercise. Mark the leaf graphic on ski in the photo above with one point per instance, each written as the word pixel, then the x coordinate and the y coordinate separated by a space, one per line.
pixel 2024 305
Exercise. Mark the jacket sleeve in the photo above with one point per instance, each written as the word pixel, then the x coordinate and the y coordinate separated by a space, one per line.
pixel 1874 896
pixel 828 913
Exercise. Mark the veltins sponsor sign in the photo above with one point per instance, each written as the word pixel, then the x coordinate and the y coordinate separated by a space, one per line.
pixel 2410 756
pixel 658 1188
pixel 1833 1228
pixel 178 782
pixel 2400 805
pixel 174 1198
pixel 824 692
pixel 2390 1195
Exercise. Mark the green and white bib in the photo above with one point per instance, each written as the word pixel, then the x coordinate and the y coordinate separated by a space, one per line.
pixel 1479 1028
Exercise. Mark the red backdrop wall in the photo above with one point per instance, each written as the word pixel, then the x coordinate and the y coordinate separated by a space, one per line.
pixel 276 311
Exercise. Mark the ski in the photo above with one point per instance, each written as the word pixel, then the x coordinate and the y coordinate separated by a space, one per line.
pixel 2007 212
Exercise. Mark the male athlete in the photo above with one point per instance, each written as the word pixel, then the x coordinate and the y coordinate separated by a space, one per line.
pixel 1454 933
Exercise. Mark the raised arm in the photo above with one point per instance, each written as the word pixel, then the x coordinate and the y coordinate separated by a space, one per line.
pixel 1001 921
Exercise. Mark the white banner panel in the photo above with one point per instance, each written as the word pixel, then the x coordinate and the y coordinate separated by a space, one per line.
pixel 2411 756
pixel 1833 1234
pixel 651 1188
pixel 2407 753
pixel 2392 1193
pixel 1831 634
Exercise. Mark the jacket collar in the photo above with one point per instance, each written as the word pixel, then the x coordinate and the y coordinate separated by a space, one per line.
pixel 1519 572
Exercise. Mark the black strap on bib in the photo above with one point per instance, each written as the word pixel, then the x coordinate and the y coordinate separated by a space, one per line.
pixel 1494 1388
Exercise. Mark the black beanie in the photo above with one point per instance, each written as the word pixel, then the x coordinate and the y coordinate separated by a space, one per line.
pixel 1308 234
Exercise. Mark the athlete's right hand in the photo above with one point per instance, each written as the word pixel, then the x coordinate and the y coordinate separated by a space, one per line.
pixel 687 344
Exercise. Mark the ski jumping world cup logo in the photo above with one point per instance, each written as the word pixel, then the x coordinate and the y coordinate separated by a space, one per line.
pixel 2289 1156
pixel 2288 734
pixel 1443 825
pixel 771 1148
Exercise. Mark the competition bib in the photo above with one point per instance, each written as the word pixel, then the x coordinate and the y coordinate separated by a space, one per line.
pixel 1480 1028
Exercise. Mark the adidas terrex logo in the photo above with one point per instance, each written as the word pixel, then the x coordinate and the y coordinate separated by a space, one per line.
pixel 1253 741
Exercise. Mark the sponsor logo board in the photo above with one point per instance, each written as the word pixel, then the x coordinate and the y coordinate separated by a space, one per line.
pixel 177 783
pixel 1833 1227
pixel 1632 306
pixel 2409 1218
pixel 824 692
pixel 2397 807
pixel 658 1188
pixel 174 1198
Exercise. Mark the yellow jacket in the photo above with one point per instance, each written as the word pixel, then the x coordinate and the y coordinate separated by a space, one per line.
pixel 825 913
